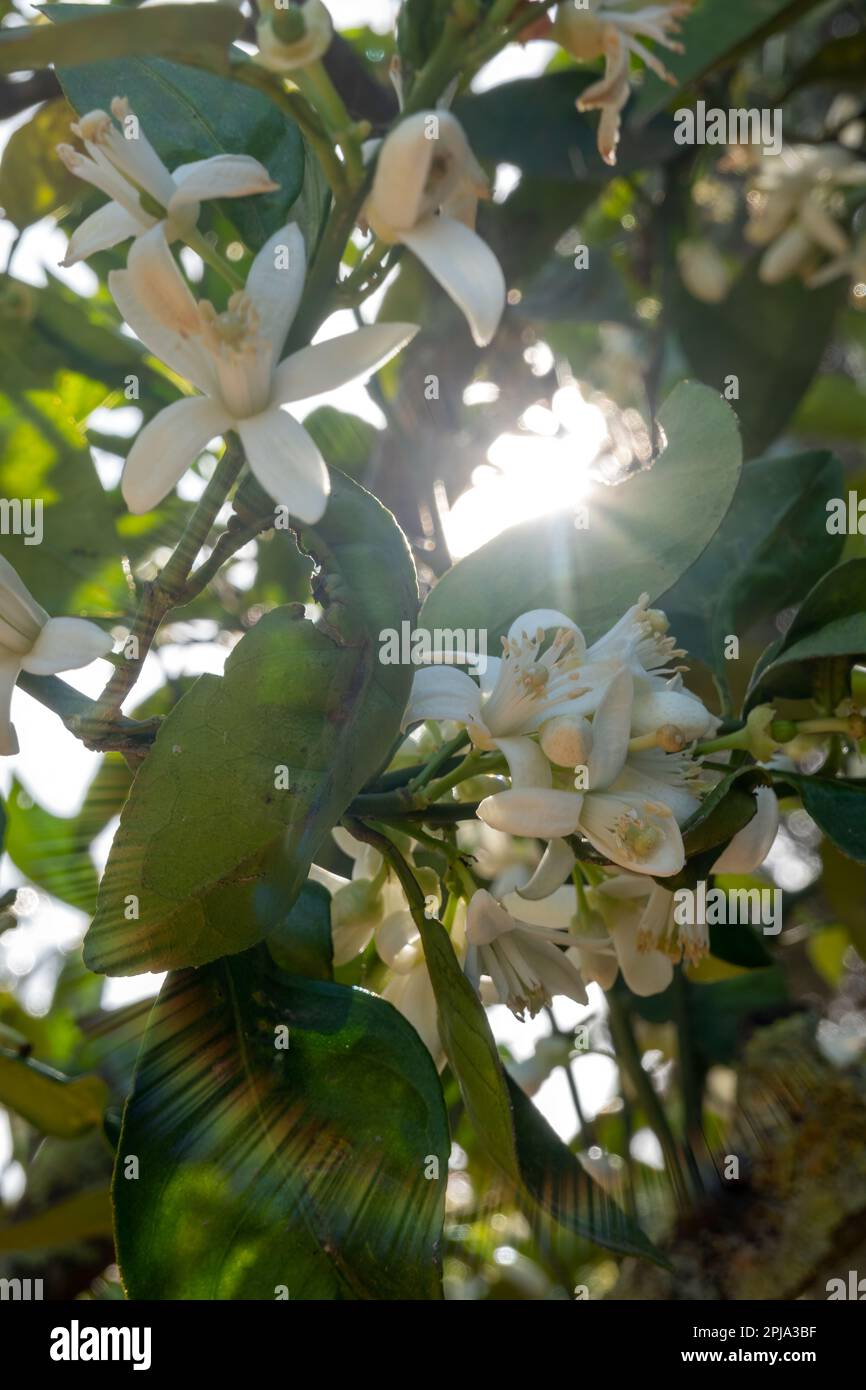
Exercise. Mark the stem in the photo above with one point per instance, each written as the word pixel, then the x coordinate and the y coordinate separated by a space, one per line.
pixel 690 1081
pixel 440 757
pixel 315 84
pixel 170 587
pixel 472 765
pixel 82 716
pixel 629 1058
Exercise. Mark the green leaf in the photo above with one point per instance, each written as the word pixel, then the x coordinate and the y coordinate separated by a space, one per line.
pixel 512 1132
pixel 642 534
pixel 772 546
pixel 834 407
pixel 837 806
pixel 50 850
pixel 50 1102
pixel 33 181
pixel 301 942
pixel 259 1167
pixel 843 883
pixel 716 32
pixel 189 115
pixel 83 1216
pixel 345 441
pixel 534 124
pixel 211 844
pixel 831 622
pixel 840 62
pixel 179 31
pixel 771 337
pixel 419 28
pixel 563 1190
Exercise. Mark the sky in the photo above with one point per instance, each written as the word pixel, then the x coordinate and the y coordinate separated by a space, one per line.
pixel 526 473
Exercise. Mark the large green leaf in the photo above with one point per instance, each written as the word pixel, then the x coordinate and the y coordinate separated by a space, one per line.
pixel 770 337
pixel 189 115
pixel 642 535
pixel 97 35
pixel 772 546
pixel 831 622
pixel 317 1167
pixel 212 844
pixel 33 181
pixel 50 1102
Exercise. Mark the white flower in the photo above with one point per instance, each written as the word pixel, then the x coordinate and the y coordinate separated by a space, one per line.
pixel 425 194
pixel 526 962
pixel 751 845
pixel 628 812
pixel 409 987
pixel 127 167
pixel 795 207
pixel 314 28
pixel 360 904
pixel 703 270
pixel 234 360
pixel 31 641
pixel 600 31
pixel 852 264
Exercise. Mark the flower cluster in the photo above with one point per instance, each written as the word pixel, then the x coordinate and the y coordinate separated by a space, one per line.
pixel 797 207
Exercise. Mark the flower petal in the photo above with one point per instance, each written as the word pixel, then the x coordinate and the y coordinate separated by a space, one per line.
pixel 287 463
pixel 543 813
pixel 466 269
pixel 65 644
pixel 557 973
pixel 334 363
pixel 556 864
pixel 102 229
pixel 183 355
pixel 751 845
pixel 653 708
pixel 548 619
pixel 645 972
pixel 9 668
pixel 167 446
pixel 18 609
pixel 157 283
pixel 611 729
pixel 486 921
pixel 601 821
pixel 275 284
pixel 526 762
pixel 442 692
pixel 221 176
pixel 402 170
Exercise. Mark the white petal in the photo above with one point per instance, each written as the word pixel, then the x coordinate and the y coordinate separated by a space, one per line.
pixel 64 644
pixel 222 176
pixel 751 845
pixel 183 355
pixel 329 365
pixel 466 269
pixel 526 762
pixel 9 668
pixel 645 972
pixel 654 708
pixel 634 779
pixel 549 619
pixel 546 814
pixel 327 879
pixel 287 463
pixel 488 677
pixel 555 911
pixel 102 229
pixel 443 692
pixel 159 286
pixel 557 973
pixel 167 446
pixel 413 996
pixel 556 864
pixel 611 728
pixel 101 174
pixel 402 170
pixel 275 284
pixel 18 607
pixel 398 942
pixel 598 965
pixel 486 921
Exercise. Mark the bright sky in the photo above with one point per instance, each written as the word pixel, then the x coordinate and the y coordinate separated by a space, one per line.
pixel 526 474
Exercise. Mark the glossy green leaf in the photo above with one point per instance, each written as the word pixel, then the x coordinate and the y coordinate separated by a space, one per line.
pixel 180 31
pixel 213 846
pixel 831 622
pixel 771 548
pixel 642 535
pixel 300 943
pixel 770 337
pixel 50 1102
pixel 722 1014
pixel 317 1168
pixel 33 181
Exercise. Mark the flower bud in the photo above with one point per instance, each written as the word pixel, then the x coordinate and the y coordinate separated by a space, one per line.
pixel 657 709
pixel 293 38
pixel 759 740
pixel 567 740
